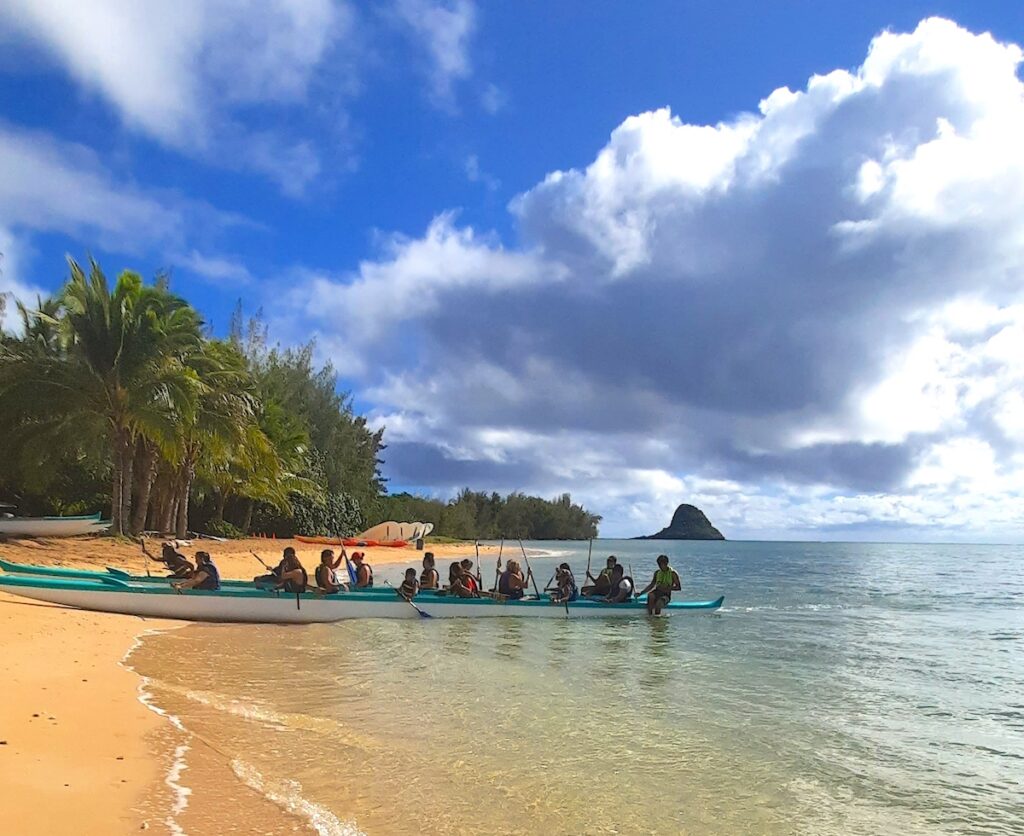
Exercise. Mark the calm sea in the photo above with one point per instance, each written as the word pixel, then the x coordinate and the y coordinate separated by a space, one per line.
pixel 843 689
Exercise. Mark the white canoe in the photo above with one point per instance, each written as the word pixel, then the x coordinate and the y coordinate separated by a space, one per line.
pixel 259 606
pixel 52 526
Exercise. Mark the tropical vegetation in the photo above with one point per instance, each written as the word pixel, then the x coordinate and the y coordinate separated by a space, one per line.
pixel 118 397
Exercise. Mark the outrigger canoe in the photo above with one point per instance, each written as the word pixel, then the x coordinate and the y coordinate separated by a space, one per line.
pixel 250 605
pixel 352 542
pixel 52 526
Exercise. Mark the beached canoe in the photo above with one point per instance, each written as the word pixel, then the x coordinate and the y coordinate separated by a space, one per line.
pixel 352 542
pixel 255 606
pixel 52 526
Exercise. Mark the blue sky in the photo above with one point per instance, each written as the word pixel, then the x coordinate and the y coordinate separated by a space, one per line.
pixel 538 278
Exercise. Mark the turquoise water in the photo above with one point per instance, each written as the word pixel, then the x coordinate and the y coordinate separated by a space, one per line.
pixel 843 689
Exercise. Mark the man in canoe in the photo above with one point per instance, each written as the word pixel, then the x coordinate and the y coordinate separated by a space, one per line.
pixel 622 587
pixel 364 572
pixel 175 562
pixel 602 584
pixel 205 576
pixel 429 578
pixel 289 575
pixel 325 574
pixel 659 590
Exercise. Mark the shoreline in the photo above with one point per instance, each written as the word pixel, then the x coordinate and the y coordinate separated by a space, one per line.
pixel 85 745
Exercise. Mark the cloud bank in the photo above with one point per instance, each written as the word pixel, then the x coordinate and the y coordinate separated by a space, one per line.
pixel 806 317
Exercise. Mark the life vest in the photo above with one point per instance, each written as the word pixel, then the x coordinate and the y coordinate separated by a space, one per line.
pixel 408 589
pixel 429 579
pixel 327 578
pixel 212 579
pixel 504 583
pixel 470 583
pixel 663 578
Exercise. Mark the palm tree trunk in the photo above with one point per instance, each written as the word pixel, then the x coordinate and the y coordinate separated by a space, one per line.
pixel 222 501
pixel 145 475
pixel 120 499
pixel 247 518
pixel 185 487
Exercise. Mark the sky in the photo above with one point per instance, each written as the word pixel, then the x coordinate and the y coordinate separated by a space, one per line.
pixel 764 260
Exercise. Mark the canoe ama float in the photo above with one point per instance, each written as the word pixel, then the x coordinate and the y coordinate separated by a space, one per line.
pixel 258 606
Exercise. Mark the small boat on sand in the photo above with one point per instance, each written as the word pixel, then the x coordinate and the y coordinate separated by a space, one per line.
pixel 108 593
pixel 52 526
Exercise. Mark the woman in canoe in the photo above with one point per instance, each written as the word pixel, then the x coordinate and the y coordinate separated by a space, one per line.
pixel 511 582
pixel 468 578
pixel 429 578
pixel 621 591
pixel 663 584
pixel 205 576
pixel 460 582
pixel 325 574
pixel 410 586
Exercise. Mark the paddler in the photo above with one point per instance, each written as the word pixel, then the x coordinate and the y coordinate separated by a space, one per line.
pixel 325 574
pixel 410 586
pixel 461 582
pixel 429 578
pixel 364 572
pixel 511 582
pixel 205 576
pixel 177 564
pixel 659 590
pixel 467 570
pixel 602 584
pixel 565 585
pixel 622 587
pixel 289 575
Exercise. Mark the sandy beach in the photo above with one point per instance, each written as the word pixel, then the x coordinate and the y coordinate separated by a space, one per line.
pixel 78 750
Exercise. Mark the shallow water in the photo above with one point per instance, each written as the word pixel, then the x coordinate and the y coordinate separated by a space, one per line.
pixel 845 688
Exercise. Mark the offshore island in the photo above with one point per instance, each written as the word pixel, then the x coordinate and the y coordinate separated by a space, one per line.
pixel 688 523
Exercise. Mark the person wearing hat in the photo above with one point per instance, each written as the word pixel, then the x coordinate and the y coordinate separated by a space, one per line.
pixel 205 576
pixel 661 587
pixel 565 585
pixel 364 572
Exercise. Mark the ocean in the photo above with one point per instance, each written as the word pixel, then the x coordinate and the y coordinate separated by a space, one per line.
pixel 843 689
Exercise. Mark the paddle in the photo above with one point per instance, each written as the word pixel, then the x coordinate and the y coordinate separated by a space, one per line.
pixel 408 601
pixel 142 542
pixel 590 551
pixel 479 569
pixel 260 559
pixel 529 568
pixel 497 569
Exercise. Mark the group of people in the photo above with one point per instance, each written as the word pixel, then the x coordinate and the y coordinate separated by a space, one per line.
pixel 611 585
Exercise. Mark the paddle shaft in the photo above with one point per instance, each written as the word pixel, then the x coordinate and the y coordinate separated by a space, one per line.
pixel 408 601
pixel 529 568
pixel 590 551
pixel 497 569
pixel 261 560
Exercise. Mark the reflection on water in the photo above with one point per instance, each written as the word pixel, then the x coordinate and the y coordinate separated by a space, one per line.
pixel 845 690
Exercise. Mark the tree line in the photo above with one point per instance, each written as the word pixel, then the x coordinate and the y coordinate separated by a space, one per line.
pixel 118 397
pixel 123 385
pixel 476 515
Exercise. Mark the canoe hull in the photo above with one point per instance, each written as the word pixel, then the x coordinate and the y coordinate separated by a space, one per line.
pixel 51 526
pixel 254 606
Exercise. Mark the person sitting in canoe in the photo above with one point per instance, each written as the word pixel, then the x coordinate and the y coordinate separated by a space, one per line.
pixel 468 578
pixel 565 585
pixel 429 578
pixel 205 576
pixel 177 564
pixel 326 576
pixel 410 586
pixel 364 572
pixel 289 575
pixel 511 582
pixel 659 590
pixel 621 591
pixel 602 584
pixel 460 582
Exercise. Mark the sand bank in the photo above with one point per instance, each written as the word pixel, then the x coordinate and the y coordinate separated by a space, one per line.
pixel 76 754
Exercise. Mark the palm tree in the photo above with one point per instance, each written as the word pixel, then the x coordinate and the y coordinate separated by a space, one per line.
pixel 118 370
